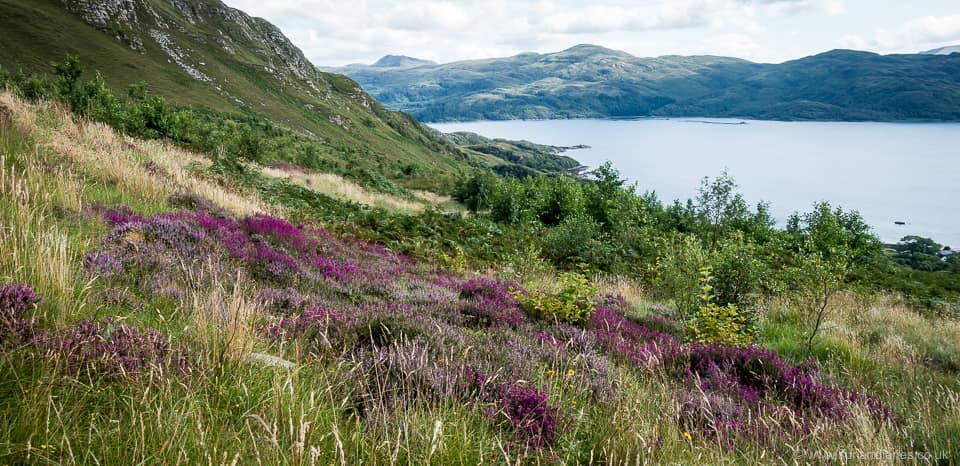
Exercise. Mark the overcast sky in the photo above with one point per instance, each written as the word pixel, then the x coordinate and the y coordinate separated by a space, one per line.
pixel 338 32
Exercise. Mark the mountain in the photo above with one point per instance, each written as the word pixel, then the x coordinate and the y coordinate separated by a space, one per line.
pixel 943 50
pixel 400 61
pixel 203 53
pixel 592 81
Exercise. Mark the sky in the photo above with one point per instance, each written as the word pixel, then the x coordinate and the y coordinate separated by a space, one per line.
pixel 338 32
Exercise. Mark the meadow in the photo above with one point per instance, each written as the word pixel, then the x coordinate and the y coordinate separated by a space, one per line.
pixel 153 309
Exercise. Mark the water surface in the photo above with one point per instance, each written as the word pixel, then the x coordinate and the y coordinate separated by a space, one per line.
pixel 889 172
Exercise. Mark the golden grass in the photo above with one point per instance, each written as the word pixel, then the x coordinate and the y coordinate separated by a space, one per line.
pixel 35 248
pixel 99 153
pixel 224 319
pixel 884 328
pixel 341 188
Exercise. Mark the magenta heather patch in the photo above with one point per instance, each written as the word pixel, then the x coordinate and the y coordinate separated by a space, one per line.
pixel 490 302
pixel 102 263
pixel 336 269
pixel 731 380
pixel 278 229
pixel 15 300
pixel 109 348
pixel 524 408
pixel 121 215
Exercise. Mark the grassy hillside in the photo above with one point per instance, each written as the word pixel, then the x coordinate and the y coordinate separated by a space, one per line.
pixel 202 53
pixel 591 81
pixel 153 311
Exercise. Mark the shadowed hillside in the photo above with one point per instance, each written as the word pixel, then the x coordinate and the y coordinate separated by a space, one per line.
pixel 591 81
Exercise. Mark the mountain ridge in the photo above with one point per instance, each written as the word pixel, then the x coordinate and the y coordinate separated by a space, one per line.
pixel 590 81
pixel 204 53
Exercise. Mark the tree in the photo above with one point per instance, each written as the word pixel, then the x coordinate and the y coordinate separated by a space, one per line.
pixel 719 204
pixel 919 253
pixel 834 234
pixel 816 279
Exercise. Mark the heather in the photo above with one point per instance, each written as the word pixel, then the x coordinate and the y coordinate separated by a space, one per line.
pixel 170 316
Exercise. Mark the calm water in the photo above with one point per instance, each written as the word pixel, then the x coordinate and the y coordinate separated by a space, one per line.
pixel 887 171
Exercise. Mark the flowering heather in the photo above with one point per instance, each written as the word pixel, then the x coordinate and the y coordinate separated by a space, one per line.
pixel 315 319
pixel 534 422
pixel 120 215
pixel 409 331
pixel 110 348
pixel 336 269
pixel 490 302
pixel 272 264
pixel 730 381
pixel 15 300
pixel 288 301
pixel 102 263
pixel 277 230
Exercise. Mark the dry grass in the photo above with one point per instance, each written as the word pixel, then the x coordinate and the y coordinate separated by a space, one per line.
pixel 35 249
pixel 632 290
pixel 97 152
pixel 225 319
pixel 340 188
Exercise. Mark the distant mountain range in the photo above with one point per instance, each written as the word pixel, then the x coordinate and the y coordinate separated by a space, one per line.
pixel 943 50
pixel 592 81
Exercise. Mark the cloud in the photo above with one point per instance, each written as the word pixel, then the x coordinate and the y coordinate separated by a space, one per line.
pixel 606 18
pixel 335 32
pixel 917 34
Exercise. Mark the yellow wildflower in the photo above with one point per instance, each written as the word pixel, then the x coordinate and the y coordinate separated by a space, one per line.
pixel 570 372
pixel 688 436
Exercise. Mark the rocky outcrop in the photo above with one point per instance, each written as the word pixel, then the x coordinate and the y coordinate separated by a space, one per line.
pixel 104 13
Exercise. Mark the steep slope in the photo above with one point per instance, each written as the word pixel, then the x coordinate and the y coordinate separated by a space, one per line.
pixel 201 52
pixel 591 81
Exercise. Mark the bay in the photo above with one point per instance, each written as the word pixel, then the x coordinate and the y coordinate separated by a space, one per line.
pixel 889 172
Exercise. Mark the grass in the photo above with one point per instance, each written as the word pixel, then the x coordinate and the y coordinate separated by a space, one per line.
pixel 383 384
pixel 39 33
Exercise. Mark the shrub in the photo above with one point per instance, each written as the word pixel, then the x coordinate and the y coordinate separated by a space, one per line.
pixel 572 302
pixel 714 323
pixel 676 276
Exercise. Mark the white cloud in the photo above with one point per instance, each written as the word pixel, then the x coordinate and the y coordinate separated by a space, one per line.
pixel 335 32
pixel 920 33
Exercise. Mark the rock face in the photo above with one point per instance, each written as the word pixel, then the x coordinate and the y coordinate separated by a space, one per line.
pixel 102 13
pixel 204 53
pixel 147 22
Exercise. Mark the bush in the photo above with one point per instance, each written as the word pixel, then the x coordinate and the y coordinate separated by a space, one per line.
pixel 676 276
pixel 572 302
pixel 713 323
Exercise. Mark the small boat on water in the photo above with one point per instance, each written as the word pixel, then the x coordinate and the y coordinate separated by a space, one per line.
pixel 899 222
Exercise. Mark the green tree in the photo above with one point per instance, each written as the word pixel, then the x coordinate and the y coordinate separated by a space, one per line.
pixel 68 81
pixel 834 234
pixel 815 279
pixel 718 205
pixel 919 253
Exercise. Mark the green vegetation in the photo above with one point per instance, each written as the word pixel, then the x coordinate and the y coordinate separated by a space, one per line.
pixel 217 77
pixel 588 81
pixel 160 305
pixel 184 320
pixel 572 301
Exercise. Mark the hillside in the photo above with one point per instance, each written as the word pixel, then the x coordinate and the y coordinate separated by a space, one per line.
pixel 158 307
pixel 592 81
pixel 201 53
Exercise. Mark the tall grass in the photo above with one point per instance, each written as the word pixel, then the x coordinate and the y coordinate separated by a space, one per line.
pixel 363 403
